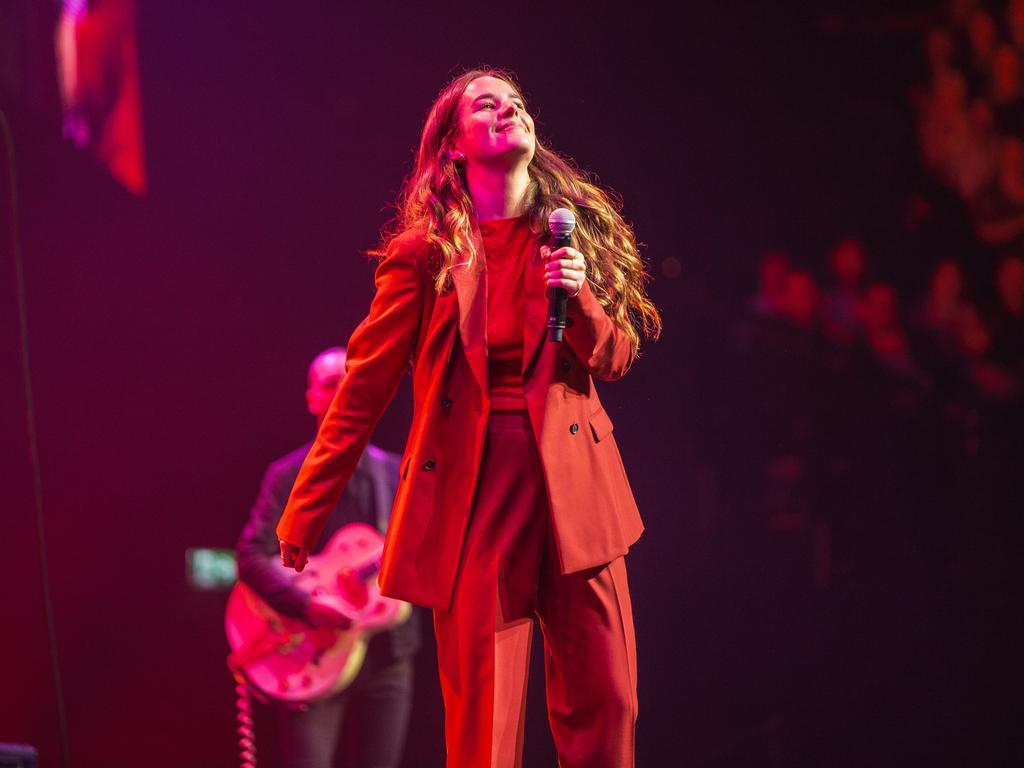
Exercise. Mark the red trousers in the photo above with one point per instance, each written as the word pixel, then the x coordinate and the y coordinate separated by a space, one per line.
pixel 510 573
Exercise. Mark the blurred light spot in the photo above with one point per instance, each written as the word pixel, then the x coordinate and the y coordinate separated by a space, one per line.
pixel 671 267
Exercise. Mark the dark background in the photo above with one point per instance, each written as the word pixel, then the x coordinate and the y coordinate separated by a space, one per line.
pixel 170 334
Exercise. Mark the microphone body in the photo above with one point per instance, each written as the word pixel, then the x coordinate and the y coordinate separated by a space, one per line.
pixel 561 223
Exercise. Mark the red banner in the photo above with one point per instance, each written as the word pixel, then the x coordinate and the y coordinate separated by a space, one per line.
pixel 98 75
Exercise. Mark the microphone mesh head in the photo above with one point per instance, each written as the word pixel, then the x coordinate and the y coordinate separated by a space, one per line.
pixel 561 221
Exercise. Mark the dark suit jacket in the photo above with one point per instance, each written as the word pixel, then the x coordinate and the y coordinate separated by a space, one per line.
pixel 367 499
pixel 593 514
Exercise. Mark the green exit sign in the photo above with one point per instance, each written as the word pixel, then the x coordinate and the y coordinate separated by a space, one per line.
pixel 210 568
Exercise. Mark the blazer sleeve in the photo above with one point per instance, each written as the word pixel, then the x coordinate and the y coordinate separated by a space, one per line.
pixel 603 347
pixel 379 352
pixel 257 547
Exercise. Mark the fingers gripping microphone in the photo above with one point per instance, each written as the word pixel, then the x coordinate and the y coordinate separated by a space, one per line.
pixel 561 223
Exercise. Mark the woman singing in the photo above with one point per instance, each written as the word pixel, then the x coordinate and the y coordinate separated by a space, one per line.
pixel 513 501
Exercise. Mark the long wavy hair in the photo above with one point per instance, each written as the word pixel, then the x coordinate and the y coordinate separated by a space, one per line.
pixel 435 199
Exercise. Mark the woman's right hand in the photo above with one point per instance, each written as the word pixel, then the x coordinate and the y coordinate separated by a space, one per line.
pixel 293 556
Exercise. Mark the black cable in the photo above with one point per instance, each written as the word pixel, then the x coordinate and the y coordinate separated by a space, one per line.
pixel 33 439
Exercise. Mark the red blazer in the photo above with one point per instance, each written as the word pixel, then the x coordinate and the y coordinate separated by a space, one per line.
pixel 593 514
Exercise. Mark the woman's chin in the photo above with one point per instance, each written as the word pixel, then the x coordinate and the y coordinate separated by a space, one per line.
pixel 514 147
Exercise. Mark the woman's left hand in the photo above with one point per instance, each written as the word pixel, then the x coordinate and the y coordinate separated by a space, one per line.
pixel 565 268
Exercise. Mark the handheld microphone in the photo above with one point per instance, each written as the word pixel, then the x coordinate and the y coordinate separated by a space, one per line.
pixel 561 223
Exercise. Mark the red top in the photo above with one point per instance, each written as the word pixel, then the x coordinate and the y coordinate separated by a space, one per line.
pixel 506 244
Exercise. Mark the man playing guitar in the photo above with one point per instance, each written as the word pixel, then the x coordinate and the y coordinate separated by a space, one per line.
pixel 378 700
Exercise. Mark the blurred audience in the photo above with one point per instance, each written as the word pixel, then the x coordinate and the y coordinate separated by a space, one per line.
pixel 882 328
pixel 879 406
pixel 772 272
pixel 801 301
pixel 970 113
pixel 1007 318
pixel 848 265
pixel 862 416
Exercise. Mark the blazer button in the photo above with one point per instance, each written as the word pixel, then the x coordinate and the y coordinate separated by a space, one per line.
pixel 574 428
pixel 446 402
pixel 429 465
pixel 566 365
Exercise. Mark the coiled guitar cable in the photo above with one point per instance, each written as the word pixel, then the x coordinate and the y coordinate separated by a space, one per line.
pixel 246 724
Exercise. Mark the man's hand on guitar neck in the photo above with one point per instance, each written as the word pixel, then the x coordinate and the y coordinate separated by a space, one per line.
pixel 293 556
pixel 322 611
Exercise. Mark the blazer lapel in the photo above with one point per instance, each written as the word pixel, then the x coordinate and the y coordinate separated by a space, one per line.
pixel 471 290
pixel 536 302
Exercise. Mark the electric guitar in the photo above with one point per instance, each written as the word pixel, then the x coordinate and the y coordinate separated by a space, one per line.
pixel 289 659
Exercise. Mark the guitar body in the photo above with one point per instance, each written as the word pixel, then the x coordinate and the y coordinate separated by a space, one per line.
pixel 289 659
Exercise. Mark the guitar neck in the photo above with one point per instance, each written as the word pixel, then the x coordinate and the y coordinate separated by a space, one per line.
pixel 369 569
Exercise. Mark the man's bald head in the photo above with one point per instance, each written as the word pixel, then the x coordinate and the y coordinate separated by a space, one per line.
pixel 325 374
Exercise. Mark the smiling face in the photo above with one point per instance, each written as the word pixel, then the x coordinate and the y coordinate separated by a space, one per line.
pixel 494 128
